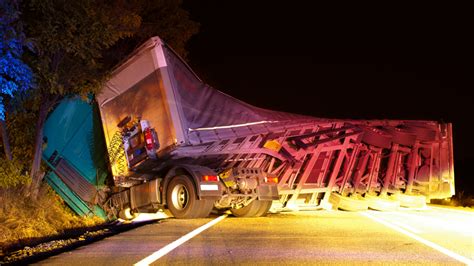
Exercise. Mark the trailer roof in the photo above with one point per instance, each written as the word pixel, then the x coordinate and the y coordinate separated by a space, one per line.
pixel 182 101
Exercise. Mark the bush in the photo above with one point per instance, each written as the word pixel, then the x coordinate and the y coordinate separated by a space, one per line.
pixel 461 199
pixel 11 174
pixel 22 219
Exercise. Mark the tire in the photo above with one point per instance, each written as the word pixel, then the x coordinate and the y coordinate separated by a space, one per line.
pixel 354 203
pixel 127 214
pixel 426 153
pixel 411 201
pixel 402 137
pixel 381 203
pixel 265 206
pixel 422 133
pixel 182 200
pixel 374 138
pixel 254 209
pixel 206 208
pixel 423 175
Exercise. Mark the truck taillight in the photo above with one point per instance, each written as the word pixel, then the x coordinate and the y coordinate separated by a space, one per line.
pixel 148 139
pixel 213 178
pixel 272 179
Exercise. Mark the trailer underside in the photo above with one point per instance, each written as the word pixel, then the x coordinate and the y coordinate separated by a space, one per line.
pixel 313 159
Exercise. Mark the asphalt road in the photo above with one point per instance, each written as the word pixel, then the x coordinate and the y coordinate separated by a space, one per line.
pixel 433 236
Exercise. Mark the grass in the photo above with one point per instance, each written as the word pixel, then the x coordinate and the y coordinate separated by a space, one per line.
pixel 24 221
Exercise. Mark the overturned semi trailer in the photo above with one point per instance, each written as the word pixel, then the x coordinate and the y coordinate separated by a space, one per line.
pixel 157 115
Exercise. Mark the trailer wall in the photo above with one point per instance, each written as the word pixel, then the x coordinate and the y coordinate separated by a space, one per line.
pixel 137 89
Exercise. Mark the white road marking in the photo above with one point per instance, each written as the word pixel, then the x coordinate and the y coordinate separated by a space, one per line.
pixel 422 240
pixel 451 210
pixel 407 227
pixel 168 248
pixel 460 222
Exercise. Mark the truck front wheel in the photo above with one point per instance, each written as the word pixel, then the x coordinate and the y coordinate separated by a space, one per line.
pixel 182 200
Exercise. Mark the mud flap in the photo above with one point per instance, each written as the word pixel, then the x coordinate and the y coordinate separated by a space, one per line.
pixel 267 192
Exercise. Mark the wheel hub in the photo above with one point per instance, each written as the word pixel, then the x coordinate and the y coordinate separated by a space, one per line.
pixel 180 197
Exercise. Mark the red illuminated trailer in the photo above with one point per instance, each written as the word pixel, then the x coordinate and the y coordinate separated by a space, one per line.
pixel 175 142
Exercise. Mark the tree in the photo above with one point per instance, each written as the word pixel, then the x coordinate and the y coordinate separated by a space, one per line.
pixel 165 19
pixel 70 37
pixel 15 75
pixel 78 42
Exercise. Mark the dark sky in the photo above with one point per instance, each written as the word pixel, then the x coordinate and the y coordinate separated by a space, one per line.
pixel 342 61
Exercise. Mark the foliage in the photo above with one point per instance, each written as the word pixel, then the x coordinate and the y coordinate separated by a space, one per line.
pixel 70 38
pixel 462 199
pixel 169 21
pixel 76 43
pixel 22 219
pixel 11 174
pixel 22 134
pixel 15 75
pixel 165 19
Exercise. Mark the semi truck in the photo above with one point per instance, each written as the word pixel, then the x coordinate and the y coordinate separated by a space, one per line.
pixel 157 137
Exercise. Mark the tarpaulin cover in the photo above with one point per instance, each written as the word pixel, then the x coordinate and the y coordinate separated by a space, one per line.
pixel 205 107
pixel 156 85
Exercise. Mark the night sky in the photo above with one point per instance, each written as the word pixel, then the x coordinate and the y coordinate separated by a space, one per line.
pixel 343 61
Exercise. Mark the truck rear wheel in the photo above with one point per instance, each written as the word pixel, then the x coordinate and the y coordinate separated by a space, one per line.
pixel 265 206
pixel 182 200
pixel 256 208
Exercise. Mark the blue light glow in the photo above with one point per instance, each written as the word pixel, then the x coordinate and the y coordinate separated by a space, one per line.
pixel 15 75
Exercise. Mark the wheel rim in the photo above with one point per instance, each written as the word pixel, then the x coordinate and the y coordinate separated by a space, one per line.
pixel 180 197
